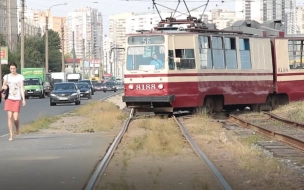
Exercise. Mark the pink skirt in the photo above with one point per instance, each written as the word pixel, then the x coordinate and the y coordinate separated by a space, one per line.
pixel 12 105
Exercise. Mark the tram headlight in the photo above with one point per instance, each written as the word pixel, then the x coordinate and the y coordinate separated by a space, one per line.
pixel 160 86
pixel 131 86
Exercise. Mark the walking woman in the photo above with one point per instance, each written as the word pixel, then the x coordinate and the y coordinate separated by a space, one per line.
pixel 14 82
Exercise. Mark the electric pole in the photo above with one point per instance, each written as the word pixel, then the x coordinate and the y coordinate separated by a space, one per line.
pixel 62 47
pixel 22 34
pixel 89 60
pixel 9 27
pixel 74 56
pixel 47 41
pixel 83 55
pixel 93 59
pixel 106 62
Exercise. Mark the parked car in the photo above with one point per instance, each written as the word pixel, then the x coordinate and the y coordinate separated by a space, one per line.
pixel 66 92
pixel 99 86
pixel 85 90
pixel 89 83
pixel 120 85
pixel 109 86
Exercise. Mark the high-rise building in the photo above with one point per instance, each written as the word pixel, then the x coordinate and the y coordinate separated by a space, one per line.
pixel 117 35
pixel 9 22
pixel 284 10
pixel 300 19
pixel 87 26
pixel 249 10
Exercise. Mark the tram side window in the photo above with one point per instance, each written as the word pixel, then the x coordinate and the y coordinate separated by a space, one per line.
pixel 187 58
pixel 218 53
pixel 205 52
pixel 296 56
pixel 171 60
pixel 245 53
pixel 230 53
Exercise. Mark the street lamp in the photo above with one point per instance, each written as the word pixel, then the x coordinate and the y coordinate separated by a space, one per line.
pixel 47 37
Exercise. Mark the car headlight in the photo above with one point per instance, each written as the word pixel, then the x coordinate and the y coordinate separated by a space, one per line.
pixel 53 94
pixel 37 89
pixel 160 86
pixel 87 91
pixel 131 86
pixel 74 94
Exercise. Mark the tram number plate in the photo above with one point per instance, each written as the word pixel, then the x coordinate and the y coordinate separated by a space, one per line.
pixel 145 87
pixel 282 69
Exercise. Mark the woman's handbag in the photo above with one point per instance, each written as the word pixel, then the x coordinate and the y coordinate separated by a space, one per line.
pixel 5 92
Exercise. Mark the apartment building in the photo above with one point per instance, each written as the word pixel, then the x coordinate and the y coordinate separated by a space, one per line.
pixel 9 22
pixel 31 27
pixel 117 35
pixel 249 10
pixel 300 20
pixel 87 26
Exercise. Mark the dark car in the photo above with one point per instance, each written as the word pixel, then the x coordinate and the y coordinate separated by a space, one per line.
pixel 110 86
pixel 85 90
pixel 120 85
pixel 99 86
pixel 66 92
pixel 89 83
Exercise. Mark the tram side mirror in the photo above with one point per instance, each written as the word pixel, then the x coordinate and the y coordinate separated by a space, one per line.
pixel 177 60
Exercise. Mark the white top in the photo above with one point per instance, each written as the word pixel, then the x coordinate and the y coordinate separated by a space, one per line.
pixel 14 84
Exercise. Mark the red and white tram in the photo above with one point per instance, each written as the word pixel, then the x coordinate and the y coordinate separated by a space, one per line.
pixel 198 69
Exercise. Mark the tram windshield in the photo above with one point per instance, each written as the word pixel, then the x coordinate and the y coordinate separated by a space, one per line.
pixel 145 58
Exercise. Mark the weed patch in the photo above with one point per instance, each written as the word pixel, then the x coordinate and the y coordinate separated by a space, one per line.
pixel 162 138
pixel 99 116
pixel 293 111
pixel 41 123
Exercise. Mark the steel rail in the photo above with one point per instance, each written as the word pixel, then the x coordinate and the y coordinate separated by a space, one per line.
pixel 285 120
pixel 292 141
pixel 223 183
pixel 101 167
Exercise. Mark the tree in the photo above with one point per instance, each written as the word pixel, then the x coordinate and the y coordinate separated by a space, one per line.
pixel 68 55
pixel 54 51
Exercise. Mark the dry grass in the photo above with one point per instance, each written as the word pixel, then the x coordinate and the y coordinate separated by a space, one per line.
pixel 93 117
pixel 293 111
pixel 162 137
pixel 248 158
pixel 100 116
pixel 41 123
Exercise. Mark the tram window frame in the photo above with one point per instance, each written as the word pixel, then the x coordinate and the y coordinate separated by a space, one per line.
pixel 205 52
pixel 171 62
pixel 186 62
pixel 218 56
pixel 295 52
pixel 230 53
pixel 244 49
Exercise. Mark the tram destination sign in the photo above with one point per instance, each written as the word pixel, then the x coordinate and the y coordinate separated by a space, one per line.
pixel 139 40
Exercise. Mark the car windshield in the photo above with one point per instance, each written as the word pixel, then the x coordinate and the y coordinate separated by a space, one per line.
pixel 82 85
pixel 110 83
pixel 94 82
pixel 85 81
pixel 31 82
pixel 145 58
pixel 64 87
pixel 57 80
pixel 98 84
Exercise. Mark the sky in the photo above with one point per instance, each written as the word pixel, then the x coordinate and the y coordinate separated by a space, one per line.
pixel 109 7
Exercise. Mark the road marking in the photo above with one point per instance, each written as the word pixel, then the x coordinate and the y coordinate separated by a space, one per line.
pixel 4 135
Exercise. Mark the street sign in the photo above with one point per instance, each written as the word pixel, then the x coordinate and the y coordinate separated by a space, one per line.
pixel 4 55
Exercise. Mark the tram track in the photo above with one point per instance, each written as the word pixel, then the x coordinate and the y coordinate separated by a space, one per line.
pixel 288 135
pixel 102 165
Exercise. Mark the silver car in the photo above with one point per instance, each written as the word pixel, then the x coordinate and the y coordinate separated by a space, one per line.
pixel 66 92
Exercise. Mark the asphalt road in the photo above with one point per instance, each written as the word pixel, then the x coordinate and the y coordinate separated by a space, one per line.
pixel 36 108
pixel 49 161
